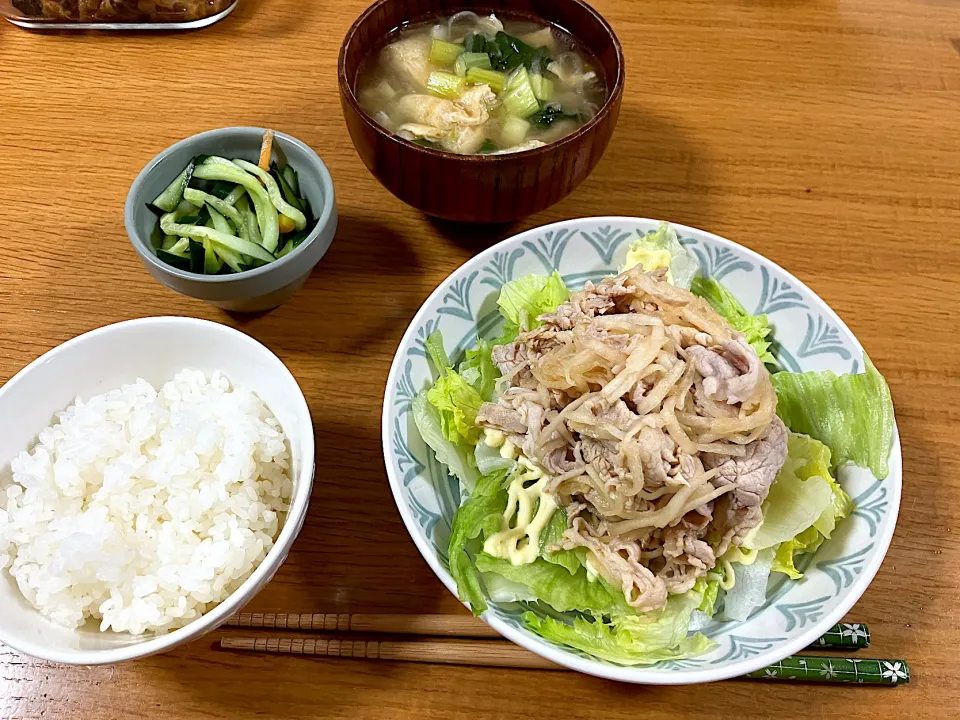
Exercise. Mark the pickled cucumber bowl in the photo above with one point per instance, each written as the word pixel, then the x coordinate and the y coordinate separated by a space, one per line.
pixel 157 223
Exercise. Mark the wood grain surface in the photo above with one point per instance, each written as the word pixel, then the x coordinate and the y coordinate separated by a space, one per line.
pixel 821 133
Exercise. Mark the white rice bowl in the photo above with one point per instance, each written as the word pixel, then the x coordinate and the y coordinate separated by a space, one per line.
pixel 144 508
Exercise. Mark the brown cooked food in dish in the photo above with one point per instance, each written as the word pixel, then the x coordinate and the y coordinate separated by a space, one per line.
pixel 121 10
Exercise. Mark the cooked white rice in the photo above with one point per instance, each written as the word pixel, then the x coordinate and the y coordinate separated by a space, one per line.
pixel 144 509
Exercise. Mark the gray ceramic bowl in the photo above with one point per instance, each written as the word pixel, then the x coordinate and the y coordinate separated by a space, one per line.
pixel 259 289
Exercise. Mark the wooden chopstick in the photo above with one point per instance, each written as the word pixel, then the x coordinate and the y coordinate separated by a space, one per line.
pixel 844 636
pixel 491 653
pixel 449 652
pixel 463 626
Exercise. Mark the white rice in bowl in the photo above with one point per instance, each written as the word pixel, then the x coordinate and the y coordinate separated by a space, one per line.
pixel 146 508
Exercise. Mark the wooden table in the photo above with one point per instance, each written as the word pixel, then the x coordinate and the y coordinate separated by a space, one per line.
pixel 823 134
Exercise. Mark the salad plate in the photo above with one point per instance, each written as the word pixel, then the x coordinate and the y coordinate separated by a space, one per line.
pixel 807 336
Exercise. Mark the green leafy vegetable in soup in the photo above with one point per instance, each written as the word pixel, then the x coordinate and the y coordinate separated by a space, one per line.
pixel 478 85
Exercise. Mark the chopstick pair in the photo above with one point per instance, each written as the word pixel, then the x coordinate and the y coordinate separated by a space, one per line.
pixel 470 642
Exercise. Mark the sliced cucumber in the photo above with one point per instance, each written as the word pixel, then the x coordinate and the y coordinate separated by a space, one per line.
pixel 222 189
pixel 288 193
pixel 290 175
pixel 196 232
pixel 233 260
pixel 223 215
pixel 216 168
pixel 211 263
pixel 273 192
pixel 181 248
pixel 196 257
pixel 177 261
pixel 237 193
pixel 171 197
pixel 222 207
pixel 220 223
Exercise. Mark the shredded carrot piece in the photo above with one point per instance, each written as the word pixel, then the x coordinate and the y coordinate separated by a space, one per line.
pixel 266 150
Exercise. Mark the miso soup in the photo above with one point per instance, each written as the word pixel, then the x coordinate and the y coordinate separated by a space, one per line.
pixel 470 84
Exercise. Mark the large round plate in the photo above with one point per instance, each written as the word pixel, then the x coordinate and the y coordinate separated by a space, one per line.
pixel 809 336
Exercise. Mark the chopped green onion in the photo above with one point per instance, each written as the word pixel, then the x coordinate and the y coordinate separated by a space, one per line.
pixel 471 60
pixel 542 87
pixel 514 131
pixel 518 98
pixel 443 53
pixel 479 76
pixel 445 84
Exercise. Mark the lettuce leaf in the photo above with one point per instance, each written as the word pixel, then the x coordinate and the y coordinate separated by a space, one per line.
pixel 490 460
pixel 852 414
pixel 792 505
pixel 523 300
pixel 436 353
pixel 811 458
pixel 806 459
pixel 554 585
pixel 631 639
pixel 755 328
pixel 456 400
pixel 481 515
pixel 663 249
pixel 501 590
pixel 458 404
pixel 572 560
pixel 710 590
pixel 479 370
pixel 456 456
pixel 806 542
pixel 750 589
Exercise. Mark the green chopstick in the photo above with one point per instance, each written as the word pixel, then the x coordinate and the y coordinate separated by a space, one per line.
pixel 833 670
pixel 844 636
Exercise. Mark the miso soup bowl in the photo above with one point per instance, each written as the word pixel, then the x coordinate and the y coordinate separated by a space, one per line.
pixel 480 188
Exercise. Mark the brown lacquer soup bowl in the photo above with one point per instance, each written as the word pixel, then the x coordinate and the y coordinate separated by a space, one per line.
pixel 480 188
